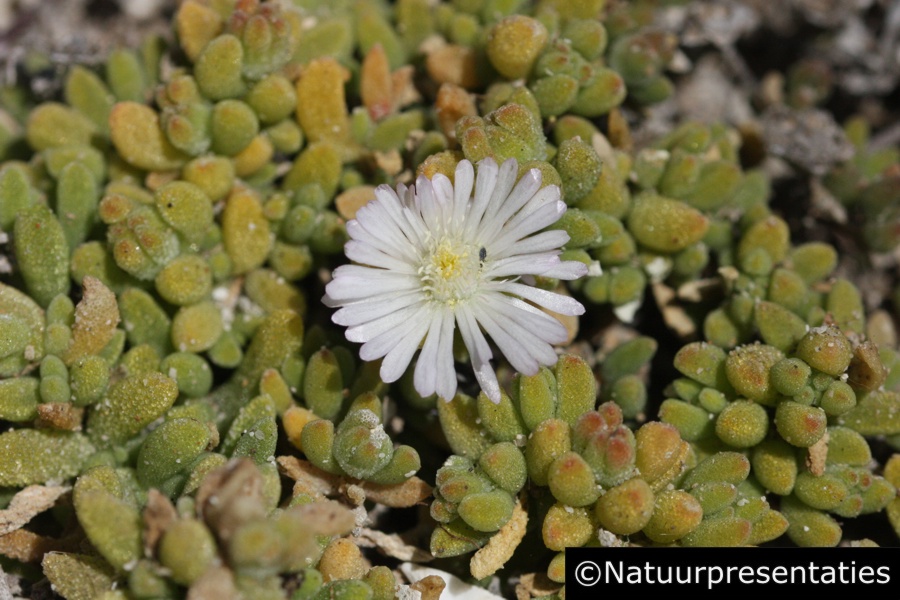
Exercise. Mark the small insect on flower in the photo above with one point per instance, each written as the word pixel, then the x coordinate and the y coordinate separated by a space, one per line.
pixel 435 257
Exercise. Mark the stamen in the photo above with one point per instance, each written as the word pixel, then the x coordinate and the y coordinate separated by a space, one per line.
pixel 450 270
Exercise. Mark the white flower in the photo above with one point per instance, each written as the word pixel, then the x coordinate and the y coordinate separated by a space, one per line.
pixel 433 257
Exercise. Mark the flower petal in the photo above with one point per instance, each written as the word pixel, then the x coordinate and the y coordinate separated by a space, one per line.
pixel 544 241
pixel 529 264
pixel 485 182
pixel 371 308
pixel 524 191
pixel 558 303
pixel 480 353
pixel 539 330
pixel 434 369
pixel 514 352
pixel 517 228
pixel 365 254
pixel 445 384
pixel 354 282
pixel 397 359
pixel 361 229
pixel 464 180
pixel 384 343
pixel 443 194
pixel 567 270
pixel 426 204
pixel 397 209
pixel 539 325
pixel 366 331
pixel 506 181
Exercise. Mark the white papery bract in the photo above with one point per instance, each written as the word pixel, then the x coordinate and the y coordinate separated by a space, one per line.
pixel 436 257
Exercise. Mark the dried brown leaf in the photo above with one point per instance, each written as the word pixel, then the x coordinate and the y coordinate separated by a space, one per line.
pixel 158 515
pixel 391 545
pixel 499 549
pixel 456 588
pixel 818 452
pixel 402 495
pixel 403 87
pixel 354 493
pixel 453 103
pixel 700 290
pixel 27 504
pixel 430 587
pixel 327 517
pixel 674 315
pixel 350 201
pixel 96 318
pixel 309 479
pixel 453 64
pixel 231 496
pixel 391 162
pixel 315 482
pixel 61 416
pixel 866 372
pixel 375 85
pixel 26 546
pixel 535 585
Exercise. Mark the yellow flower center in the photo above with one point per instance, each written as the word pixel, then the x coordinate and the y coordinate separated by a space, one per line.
pixel 450 271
